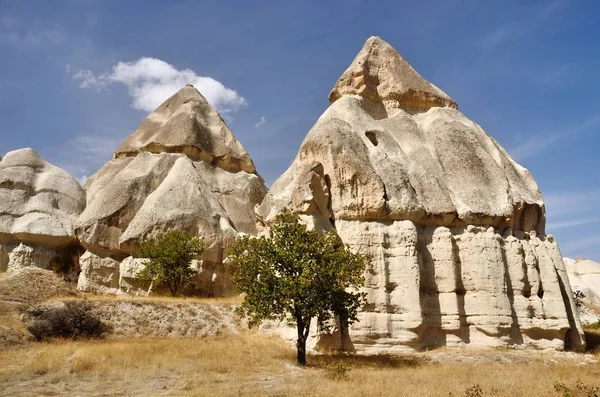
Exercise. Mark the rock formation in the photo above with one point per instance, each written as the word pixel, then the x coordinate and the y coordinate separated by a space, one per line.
pixel 584 276
pixel 454 225
pixel 39 204
pixel 181 169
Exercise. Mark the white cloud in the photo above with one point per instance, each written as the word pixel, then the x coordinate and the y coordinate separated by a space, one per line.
pixel 263 120
pixel 89 80
pixel 151 81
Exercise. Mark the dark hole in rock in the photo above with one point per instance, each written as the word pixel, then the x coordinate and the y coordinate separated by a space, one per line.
pixel 372 137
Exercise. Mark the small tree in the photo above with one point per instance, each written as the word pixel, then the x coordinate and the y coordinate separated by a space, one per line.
pixel 298 275
pixel 169 259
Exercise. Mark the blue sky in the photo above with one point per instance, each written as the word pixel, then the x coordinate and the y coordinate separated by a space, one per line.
pixel 72 85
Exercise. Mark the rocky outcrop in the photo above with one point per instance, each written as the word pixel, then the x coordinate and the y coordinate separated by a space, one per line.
pixel 454 226
pixel 39 204
pixel 584 276
pixel 181 169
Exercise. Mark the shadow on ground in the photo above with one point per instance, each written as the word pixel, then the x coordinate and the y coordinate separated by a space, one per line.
pixel 365 361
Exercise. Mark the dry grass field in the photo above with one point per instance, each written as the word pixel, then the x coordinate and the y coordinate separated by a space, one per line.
pixel 248 364
pixel 220 358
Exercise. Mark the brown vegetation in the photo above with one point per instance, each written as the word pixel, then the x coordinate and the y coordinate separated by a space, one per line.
pixel 250 365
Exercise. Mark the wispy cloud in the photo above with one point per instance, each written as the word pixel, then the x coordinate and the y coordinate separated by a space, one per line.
pixel 14 32
pixel 151 81
pixel 569 224
pixel 564 203
pixel 521 28
pixel 586 247
pixel 538 143
pixel 263 120
pixel 86 154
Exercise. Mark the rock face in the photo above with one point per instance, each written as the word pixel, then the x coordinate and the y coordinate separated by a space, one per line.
pixel 455 227
pixel 584 276
pixel 181 169
pixel 39 204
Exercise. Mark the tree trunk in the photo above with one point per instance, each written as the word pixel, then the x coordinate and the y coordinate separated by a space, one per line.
pixel 301 342
pixel 344 334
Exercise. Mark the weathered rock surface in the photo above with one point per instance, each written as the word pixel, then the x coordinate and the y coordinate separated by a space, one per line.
pixel 381 75
pixel 584 276
pixel 39 204
pixel 455 227
pixel 181 169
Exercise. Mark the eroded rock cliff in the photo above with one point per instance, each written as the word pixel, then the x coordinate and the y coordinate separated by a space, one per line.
pixel 39 204
pixel 181 169
pixel 455 227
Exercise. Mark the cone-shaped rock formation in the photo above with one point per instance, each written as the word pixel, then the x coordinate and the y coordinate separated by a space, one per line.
pixel 181 169
pixel 39 204
pixel 454 225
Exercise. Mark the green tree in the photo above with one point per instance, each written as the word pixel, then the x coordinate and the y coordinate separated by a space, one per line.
pixel 296 276
pixel 169 259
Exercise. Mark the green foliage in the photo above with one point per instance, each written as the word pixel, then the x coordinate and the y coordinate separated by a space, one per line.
pixel 593 326
pixel 169 259
pixel 297 275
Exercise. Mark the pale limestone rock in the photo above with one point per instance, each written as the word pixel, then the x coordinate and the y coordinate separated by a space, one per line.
pixel 584 275
pixel 98 274
pixel 380 74
pixel 454 226
pixel 186 123
pixel 31 256
pixel 39 204
pixel 181 169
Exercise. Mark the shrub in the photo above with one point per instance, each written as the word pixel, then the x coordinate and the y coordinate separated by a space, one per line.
pixel 72 320
pixel 169 259
pixel 578 296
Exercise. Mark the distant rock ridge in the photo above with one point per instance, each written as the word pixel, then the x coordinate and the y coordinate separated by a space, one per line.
pixel 455 227
pixel 181 169
pixel 39 205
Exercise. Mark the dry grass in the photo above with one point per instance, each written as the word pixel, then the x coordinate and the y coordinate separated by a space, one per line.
pixel 251 365
pixel 152 299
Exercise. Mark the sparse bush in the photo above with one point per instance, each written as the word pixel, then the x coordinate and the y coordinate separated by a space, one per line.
pixel 338 371
pixel 72 320
pixel 595 325
pixel 580 390
pixel 578 296
pixel 474 391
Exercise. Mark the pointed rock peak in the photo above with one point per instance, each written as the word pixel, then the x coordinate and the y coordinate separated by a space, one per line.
pixel 380 74
pixel 186 123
